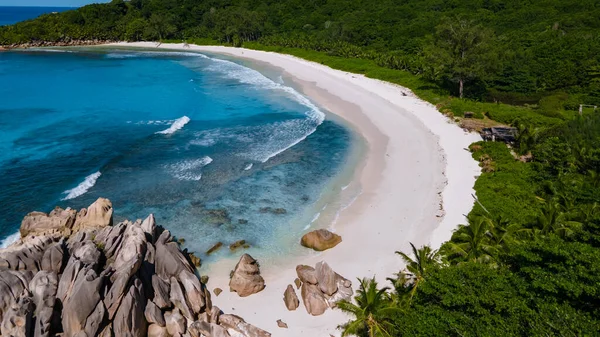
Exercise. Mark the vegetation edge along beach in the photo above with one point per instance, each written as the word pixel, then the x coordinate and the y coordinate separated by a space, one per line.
pixel 526 263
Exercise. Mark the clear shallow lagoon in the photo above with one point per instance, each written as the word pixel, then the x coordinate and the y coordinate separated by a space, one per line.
pixel 216 150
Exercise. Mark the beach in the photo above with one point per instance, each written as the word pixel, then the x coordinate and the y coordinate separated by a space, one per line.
pixel 416 182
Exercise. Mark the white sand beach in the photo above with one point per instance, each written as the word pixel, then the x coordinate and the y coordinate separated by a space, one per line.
pixel 416 180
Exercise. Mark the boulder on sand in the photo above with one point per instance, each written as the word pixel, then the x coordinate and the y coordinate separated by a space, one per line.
pixel 314 300
pixel 246 279
pixel 290 298
pixel 320 240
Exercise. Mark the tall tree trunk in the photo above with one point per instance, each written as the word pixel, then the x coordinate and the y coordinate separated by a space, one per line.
pixel 461 87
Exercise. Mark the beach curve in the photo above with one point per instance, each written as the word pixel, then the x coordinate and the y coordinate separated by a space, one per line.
pixel 417 180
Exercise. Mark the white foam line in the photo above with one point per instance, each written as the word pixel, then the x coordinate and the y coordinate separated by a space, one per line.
pixel 82 188
pixel 9 240
pixel 248 167
pixel 177 125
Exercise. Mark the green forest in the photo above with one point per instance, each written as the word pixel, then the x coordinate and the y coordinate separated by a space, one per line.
pixel 526 262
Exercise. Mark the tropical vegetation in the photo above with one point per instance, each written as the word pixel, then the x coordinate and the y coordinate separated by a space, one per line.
pixel 526 262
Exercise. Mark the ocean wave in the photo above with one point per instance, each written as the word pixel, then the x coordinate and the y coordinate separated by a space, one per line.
pixel 259 143
pixel 9 240
pixel 248 167
pixel 177 125
pixel 250 76
pixel 283 137
pixel 139 54
pixel 273 139
pixel 82 188
pixel 190 170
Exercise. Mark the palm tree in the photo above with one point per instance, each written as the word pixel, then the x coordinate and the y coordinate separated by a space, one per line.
pixel 473 242
pixel 372 311
pixel 414 274
pixel 503 232
pixel 553 220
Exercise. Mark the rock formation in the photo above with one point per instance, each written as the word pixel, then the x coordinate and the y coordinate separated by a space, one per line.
pixel 290 298
pixel 321 288
pixel 320 240
pixel 246 279
pixel 75 274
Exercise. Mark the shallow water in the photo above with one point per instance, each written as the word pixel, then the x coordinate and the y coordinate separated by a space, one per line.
pixel 216 150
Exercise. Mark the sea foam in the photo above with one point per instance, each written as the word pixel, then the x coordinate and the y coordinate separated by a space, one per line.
pixel 9 240
pixel 283 135
pixel 177 125
pixel 188 169
pixel 82 188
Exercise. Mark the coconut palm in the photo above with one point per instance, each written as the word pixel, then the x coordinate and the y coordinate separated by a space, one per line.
pixel 552 220
pixel 473 242
pixel 372 311
pixel 422 259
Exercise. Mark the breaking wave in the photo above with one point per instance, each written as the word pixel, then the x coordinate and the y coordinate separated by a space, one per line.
pixel 190 170
pixel 9 240
pixel 177 125
pixel 82 188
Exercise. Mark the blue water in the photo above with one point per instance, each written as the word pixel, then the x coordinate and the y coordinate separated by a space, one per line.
pixel 75 126
pixel 12 15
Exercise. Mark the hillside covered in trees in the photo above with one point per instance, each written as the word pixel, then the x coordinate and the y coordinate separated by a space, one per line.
pixel 527 261
pixel 519 52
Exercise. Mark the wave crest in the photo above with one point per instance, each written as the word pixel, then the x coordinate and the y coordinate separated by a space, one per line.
pixel 190 170
pixel 9 240
pixel 82 188
pixel 177 125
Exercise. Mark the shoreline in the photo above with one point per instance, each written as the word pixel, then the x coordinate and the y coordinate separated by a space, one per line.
pixel 415 168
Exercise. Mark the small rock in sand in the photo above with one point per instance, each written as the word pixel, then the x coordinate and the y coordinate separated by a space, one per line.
pixel 218 291
pixel 282 324
pixel 320 240
pixel 214 248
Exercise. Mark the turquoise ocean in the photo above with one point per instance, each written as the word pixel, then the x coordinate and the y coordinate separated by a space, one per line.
pixel 218 150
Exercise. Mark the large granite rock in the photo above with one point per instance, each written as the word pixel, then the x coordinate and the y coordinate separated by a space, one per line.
pixel 43 286
pixel 326 278
pixel 320 240
pixel 238 325
pixel 313 299
pixel 321 288
pixel 26 255
pixel 306 274
pixel 58 221
pixel 290 299
pixel 76 275
pixel 246 279
pixel 98 215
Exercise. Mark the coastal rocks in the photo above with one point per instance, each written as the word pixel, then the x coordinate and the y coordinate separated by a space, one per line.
pixel 321 288
pixel 27 255
pixel 38 223
pixel 238 244
pixel 320 240
pixel 326 278
pixel 43 286
pixel 276 211
pixel 98 215
pixel 217 291
pixel 64 43
pixel 246 279
pixel 282 324
pixel 240 326
pixel 75 274
pixel 313 299
pixel 290 299
pixel 306 274
pixel 214 248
